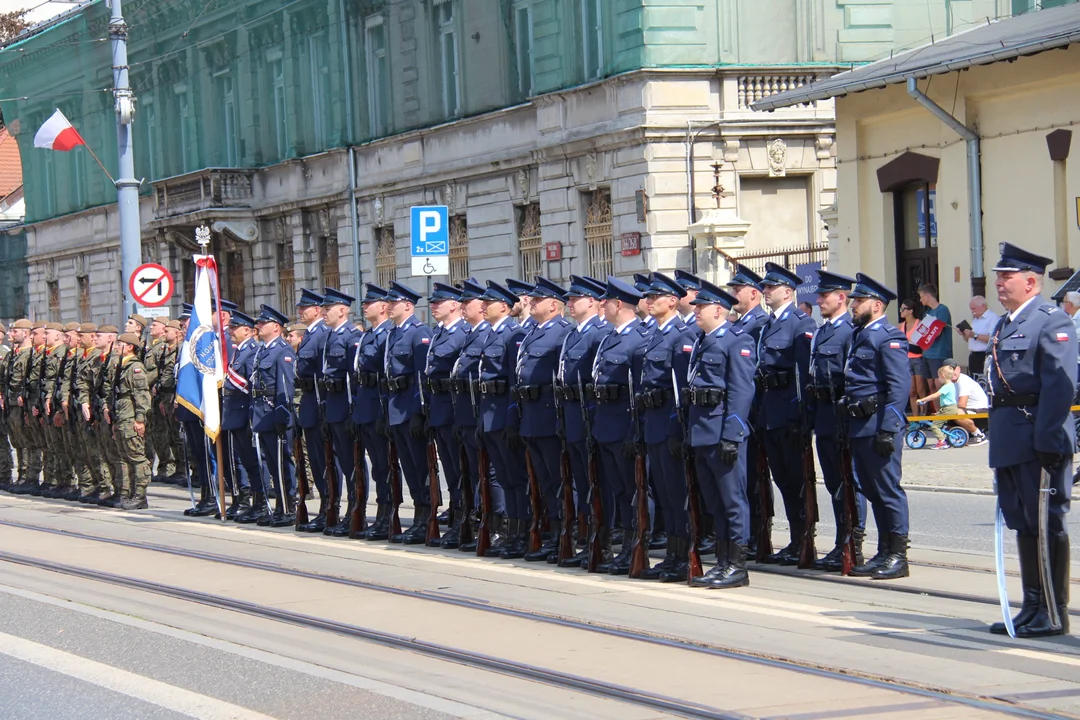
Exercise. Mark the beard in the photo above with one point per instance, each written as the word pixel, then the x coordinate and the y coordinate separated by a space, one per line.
pixel 861 318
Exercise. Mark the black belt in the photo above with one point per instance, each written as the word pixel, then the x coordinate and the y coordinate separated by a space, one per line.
pixel 335 385
pixel 263 393
pixel 1015 400
pixel 399 383
pixel 571 393
pixel 439 386
pixel 609 392
pixel 655 398
pixel 306 384
pixel 774 380
pixel 531 392
pixel 864 407
pixel 494 387
pixel 367 379
pixel 707 397
pixel 229 392
pixel 462 385
pixel 827 394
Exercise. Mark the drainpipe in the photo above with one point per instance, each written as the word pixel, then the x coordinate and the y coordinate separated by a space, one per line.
pixel 353 219
pixel 974 176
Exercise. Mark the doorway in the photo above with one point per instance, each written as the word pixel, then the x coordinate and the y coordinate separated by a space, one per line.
pixel 916 238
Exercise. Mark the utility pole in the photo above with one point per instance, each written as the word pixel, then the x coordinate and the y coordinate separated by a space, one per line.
pixel 127 187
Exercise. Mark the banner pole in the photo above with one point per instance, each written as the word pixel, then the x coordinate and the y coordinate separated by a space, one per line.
pixel 220 477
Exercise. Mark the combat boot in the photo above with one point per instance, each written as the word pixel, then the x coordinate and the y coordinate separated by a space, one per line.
pixel 830 562
pixel 243 504
pixel 895 564
pixel 206 507
pixel 451 539
pixel 113 501
pixel 255 509
pixel 135 502
pixel 1039 626
pixel 620 564
pixel 867 568
pixel 89 498
pixel 287 518
pixel 665 565
pixel 270 516
pixel 380 529
pixel 417 532
pixel 318 523
pixel 342 528
pixel 790 555
pixel 445 516
pixel 498 524
pixel 1030 582
pixel 734 573
pixel 234 506
pixel 204 493
pixel 71 494
pixel 470 546
pixel 617 536
pixel 679 570
pixel 517 541
pixel 707 536
pixel 549 547
pixel 606 553
pixel 716 570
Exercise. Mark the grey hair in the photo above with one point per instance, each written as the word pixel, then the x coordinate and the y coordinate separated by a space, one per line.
pixel 1073 297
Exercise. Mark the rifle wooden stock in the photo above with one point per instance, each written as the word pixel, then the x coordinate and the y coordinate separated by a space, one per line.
pixel 483 530
pixel 693 511
pixel 358 516
pixel 331 479
pixel 465 532
pixel 596 507
pixel 434 491
pixel 301 479
pixel 566 535
pixel 536 506
pixel 395 488
pixel 847 480
pixel 639 550
pixel 807 550
pixel 765 505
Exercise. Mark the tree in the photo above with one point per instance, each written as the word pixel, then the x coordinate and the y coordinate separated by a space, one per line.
pixel 11 24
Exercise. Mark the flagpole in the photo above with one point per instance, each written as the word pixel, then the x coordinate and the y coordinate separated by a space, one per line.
pixel 220 477
pixel 94 155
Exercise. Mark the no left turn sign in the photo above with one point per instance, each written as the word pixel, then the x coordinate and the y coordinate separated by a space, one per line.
pixel 151 285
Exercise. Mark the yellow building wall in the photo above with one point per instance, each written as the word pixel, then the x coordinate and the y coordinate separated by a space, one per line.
pixel 1013 106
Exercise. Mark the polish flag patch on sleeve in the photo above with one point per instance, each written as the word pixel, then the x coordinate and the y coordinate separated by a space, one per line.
pixel 425 341
pixel 1063 337
pixel 288 359
pixel 687 348
pixel 894 345
pixel 745 352
pixel 809 335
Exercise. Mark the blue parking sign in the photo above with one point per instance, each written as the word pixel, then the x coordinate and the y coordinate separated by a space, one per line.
pixel 430 239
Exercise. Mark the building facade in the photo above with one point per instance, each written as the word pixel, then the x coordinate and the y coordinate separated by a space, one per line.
pixel 566 136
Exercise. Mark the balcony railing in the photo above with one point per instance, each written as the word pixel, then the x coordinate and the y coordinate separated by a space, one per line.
pixel 752 88
pixel 203 190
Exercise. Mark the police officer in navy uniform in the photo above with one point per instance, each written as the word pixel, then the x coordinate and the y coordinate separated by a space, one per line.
pixel 404 360
pixel 338 353
pixel 272 385
pixel 829 351
pixel 465 378
pixel 745 287
pixel 618 357
pixel 574 381
pixel 499 415
pixel 876 388
pixel 536 372
pixel 784 377
pixel 691 284
pixel 369 401
pixel 1031 371
pixel 642 282
pixel 522 310
pixel 721 382
pixel 240 454
pixel 446 343
pixel 666 359
pixel 309 369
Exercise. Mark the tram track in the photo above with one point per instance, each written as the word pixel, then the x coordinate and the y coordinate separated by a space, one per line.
pixel 522 670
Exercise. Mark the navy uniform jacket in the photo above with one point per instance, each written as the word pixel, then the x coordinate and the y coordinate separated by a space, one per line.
pixel 273 381
pixel 405 357
pixel 338 353
pixel 690 320
pixel 828 355
pixel 783 347
pixel 538 365
pixel 666 349
pixel 1036 355
pixel 724 359
pixel 466 370
pixel 497 365
pixel 446 343
pixel 367 364
pixel 576 361
pixel 753 321
pixel 878 365
pixel 309 365
pixel 619 354
pixel 236 396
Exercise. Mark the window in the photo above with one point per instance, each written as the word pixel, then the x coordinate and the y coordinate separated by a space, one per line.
pixel 187 152
pixel 280 108
pixel 378 75
pixel 459 249
pixel 78 179
pixel 286 274
pixel 318 50
pixel 48 182
pixel 149 120
pixel 329 270
pixel 530 241
pixel 1019 7
pixel 448 57
pixel 53 287
pixel 599 240
pixel 385 257
pixel 592 41
pixel 229 127
pixel 918 204
pixel 523 44
pixel 83 283
pixel 235 288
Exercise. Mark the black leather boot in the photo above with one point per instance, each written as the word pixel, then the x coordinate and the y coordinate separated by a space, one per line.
pixel 790 554
pixel 204 494
pixel 287 518
pixel 867 568
pixel 255 509
pixel 499 528
pixel 830 562
pixel 451 539
pixel 549 547
pixel 716 570
pixel 470 546
pixel 135 502
pixel 580 544
pixel 517 542
pixel 665 565
pixel 243 503
pixel 1030 582
pixel 606 553
pixel 895 565
pixel 417 532
pixel 380 529
pixel 734 573
pixel 342 528
pixel 1039 626
pixel 620 564
pixel 446 515
pixel 269 518
pixel 682 566
pixel 318 523
pixel 617 536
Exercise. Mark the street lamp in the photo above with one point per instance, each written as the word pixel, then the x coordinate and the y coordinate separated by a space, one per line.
pixel 719 232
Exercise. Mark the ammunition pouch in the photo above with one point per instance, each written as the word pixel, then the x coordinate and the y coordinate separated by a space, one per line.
pixel 334 385
pixel 531 393
pixel 439 386
pixel 367 379
pixel 826 394
pixel 494 387
pixel 774 380
pixel 306 384
pixel 655 398
pixel 571 393
pixel 863 408
pixel 707 397
pixel 399 383
pixel 610 392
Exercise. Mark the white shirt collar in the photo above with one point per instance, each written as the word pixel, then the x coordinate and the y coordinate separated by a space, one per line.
pixel 453 324
pixel 315 324
pixel 838 319
pixel 781 310
pixel 668 322
pixel 1014 313
pixel 718 328
pixel 499 323
pixel 403 322
pixel 625 325
pixel 584 323
pixel 242 345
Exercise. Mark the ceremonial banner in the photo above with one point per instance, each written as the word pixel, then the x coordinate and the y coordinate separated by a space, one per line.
pixel 201 366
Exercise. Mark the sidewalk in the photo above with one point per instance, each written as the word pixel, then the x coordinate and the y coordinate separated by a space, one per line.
pixel 963 470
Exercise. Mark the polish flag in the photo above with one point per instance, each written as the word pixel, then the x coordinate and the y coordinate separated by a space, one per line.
pixel 58 134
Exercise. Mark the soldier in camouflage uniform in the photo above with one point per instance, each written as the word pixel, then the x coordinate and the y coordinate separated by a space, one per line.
pixel 84 444
pixel 131 404
pixel 6 464
pixel 157 428
pixel 88 394
pixel 34 407
pixel 62 419
pixel 110 372
pixel 17 365
pixel 165 401
pixel 56 478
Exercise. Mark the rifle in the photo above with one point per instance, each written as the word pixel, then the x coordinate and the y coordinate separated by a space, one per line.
pixel 358 518
pixel 807 551
pixel 465 532
pixel 566 475
pixel 847 484
pixel 113 391
pixel 395 474
pixel 693 509
pixel 434 490
pixel 639 549
pixel 483 529
pixel 302 488
pixel 55 397
pixel 40 402
pixel 594 546
pixel 536 510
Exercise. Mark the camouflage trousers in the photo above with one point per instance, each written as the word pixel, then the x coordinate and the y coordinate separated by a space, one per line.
pixel 132 450
pixel 159 440
pixel 16 429
pixel 35 446
pixel 87 455
pixel 6 464
pixel 112 465
pixel 57 460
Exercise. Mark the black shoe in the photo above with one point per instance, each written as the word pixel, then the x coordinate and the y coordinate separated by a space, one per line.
pixel 1040 626
pixel 451 539
pixel 113 501
pixel 499 536
pixel 72 495
pixel 733 573
pixel 681 566
pixel 517 542
pixel 317 524
pixel 617 536
pixel 444 517
pixel 233 508
pixel 287 518
pixel 254 512
pixel 339 530
pixel 89 498
pixel 1030 581
pixel 36 490
pixel 548 548
pixel 665 565
pixel 620 564
pixel 895 564
pixel 380 529
pixel 46 492
pixel 831 560
pixel 867 568
pixel 787 556
pixel 205 509
pixel 659 540
pixel 416 534
pixel 134 503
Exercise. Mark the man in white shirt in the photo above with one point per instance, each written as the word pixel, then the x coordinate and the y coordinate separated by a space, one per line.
pixel 983 322
pixel 970 398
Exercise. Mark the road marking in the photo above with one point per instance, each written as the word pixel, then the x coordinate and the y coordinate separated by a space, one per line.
pixel 135 686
